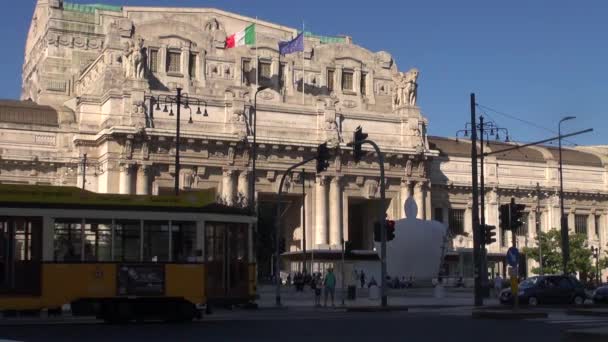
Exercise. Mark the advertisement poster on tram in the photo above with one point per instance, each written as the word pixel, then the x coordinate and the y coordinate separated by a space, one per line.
pixel 141 280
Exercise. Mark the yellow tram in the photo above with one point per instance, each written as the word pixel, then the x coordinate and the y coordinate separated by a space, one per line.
pixel 122 257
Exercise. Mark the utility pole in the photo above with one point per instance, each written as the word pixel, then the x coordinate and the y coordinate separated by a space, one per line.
pixel 538 228
pixel 475 208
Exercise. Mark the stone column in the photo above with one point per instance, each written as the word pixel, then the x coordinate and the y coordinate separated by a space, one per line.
pixel 321 211
pixel 428 208
pixel 143 180
pixel 419 194
pixel 243 186
pixel 406 192
pixel 571 222
pixel 591 227
pixel 335 209
pixel 228 186
pixel 125 179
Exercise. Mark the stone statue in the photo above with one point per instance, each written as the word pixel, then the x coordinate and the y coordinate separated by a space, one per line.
pixel 133 59
pixel 405 88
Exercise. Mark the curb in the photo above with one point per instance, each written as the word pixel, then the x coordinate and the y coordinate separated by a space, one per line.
pixel 588 312
pixel 585 335
pixel 504 314
pixel 376 309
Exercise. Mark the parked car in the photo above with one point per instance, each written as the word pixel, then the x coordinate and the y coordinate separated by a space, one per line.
pixel 600 295
pixel 550 289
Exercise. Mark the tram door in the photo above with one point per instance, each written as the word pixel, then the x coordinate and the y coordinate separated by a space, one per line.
pixel 226 258
pixel 20 255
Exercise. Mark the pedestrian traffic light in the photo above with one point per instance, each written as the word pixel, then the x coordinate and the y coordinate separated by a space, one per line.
pixel 517 214
pixel 358 137
pixel 377 232
pixel 390 230
pixel 489 234
pixel 504 217
pixel 322 158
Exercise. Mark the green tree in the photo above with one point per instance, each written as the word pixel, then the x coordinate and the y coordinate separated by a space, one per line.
pixel 580 254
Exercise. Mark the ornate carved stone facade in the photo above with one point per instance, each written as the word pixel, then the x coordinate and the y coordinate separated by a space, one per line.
pixel 89 68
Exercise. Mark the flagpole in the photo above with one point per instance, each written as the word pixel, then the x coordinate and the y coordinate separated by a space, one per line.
pixel 257 62
pixel 303 72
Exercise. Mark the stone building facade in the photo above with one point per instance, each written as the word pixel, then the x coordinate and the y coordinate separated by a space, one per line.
pixel 89 71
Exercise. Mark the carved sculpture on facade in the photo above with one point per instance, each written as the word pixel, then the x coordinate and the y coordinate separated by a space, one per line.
pixel 216 33
pixel 134 59
pixel 405 88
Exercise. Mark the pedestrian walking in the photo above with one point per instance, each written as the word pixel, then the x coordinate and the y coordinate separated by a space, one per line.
pixel 330 286
pixel 362 279
pixel 315 286
pixel 497 285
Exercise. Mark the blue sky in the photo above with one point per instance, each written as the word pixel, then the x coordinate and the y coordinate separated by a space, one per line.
pixel 535 60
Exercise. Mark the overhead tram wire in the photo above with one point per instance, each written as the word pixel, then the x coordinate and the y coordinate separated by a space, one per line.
pixel 513 117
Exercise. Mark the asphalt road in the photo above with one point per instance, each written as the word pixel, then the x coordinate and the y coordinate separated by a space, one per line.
pixel 287 325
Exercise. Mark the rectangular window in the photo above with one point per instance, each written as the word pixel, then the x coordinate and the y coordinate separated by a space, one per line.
pixel 98 240
pixel 347 80
pixel 363 85
pixel 264 71
pixel 523 229
pixel 68 240
pixel 156 241
pixel 598 225
pixel 183 242
pixel 246 72
pixel 192 65
pixel 153 60
pixel 330 80
pixel 456 221
pixel 127 241
pixel 174 62
pixel 580 224
pixel 439 214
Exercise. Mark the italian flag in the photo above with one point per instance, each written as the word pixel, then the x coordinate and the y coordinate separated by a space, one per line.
pixel 244 37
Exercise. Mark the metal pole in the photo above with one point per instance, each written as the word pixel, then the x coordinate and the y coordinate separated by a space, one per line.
pixel 84 171
pixel 343 288
pixel 514 242
pixel 304 218
pixel 277 270
pixel 475 208
pixel 538 228
pixel 254 148
pixel 482 197
pixel 177 147
pixel 382 218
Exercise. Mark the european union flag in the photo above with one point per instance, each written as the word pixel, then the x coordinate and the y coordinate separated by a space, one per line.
pixel 294 45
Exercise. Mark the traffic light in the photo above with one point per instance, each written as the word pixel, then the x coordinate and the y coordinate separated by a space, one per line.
pixel 489 234
pixel 377 232
pixel 517 215
pixel 504 221
pixel 358 137
pixel 322 158
pixel 390 230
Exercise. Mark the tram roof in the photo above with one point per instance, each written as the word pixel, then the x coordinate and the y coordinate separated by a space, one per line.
pixel 71 197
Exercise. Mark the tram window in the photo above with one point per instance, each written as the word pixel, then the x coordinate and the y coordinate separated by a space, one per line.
pixel 156 241
pixel 184 242
pixel 68 240
pixel 97 240
pixel 238 240
pixel 127 241
pixel 214 241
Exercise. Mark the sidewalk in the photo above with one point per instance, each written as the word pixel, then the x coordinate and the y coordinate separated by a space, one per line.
pixel 419 297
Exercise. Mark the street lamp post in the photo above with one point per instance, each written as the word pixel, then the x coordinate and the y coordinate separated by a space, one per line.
pixel 563 220
pixel 179 100
pixel 254 147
